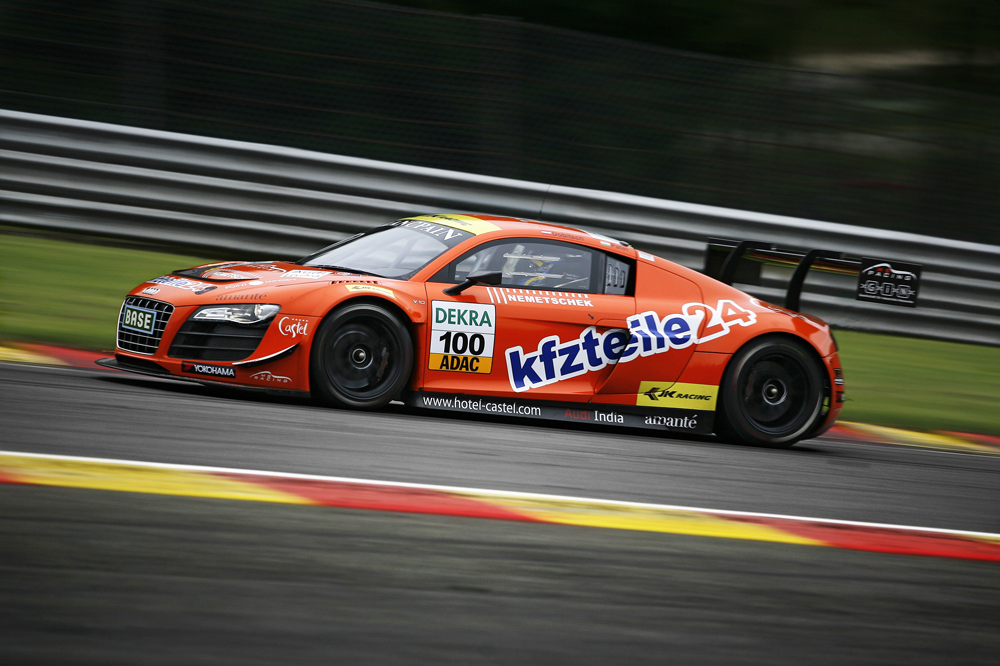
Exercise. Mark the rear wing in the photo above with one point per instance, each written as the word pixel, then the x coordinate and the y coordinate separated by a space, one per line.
pixel 879 280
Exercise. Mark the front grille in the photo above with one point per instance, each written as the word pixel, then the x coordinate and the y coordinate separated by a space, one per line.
pixel 143 343
pixel 217 340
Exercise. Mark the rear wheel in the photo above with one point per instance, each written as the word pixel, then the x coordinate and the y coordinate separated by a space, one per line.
pixel 772 393
pixel 362 357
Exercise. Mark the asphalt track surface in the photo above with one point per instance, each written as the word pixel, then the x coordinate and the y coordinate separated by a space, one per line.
pixel 107 577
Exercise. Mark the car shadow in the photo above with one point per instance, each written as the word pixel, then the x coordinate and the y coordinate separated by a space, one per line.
pixel 181 387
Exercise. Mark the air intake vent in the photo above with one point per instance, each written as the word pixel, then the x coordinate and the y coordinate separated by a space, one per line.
pixel 142 334
pixel 217 340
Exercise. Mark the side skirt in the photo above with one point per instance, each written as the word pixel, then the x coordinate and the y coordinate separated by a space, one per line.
pixel 674 420
pixel 115 365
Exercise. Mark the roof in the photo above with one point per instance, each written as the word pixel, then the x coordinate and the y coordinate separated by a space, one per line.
pixel 469 222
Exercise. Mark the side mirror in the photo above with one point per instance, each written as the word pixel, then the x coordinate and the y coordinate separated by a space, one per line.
pixel 476 277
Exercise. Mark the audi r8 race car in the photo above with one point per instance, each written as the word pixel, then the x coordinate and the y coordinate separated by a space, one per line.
pixel 494 315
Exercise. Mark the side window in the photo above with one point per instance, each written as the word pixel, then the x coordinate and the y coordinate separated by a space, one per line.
pixel 535 265
pixel 616 276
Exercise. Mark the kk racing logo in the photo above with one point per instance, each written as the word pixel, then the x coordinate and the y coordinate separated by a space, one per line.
pixel 671 394
pixel 648 334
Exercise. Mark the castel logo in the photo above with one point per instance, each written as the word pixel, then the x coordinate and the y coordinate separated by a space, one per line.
pixel 206 369
pixel 293 327
pixel 648 334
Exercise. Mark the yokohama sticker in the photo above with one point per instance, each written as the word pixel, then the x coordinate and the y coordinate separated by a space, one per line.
pixel 206 369
pixel 648 334
pixel 462 337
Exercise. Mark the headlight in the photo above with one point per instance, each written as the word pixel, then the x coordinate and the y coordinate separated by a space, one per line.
pixel 243 313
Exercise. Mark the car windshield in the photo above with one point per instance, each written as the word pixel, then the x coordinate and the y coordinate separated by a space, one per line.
pixel 396 251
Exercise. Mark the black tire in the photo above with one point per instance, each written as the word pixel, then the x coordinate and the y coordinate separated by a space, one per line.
pixel 772 393
pixel 361 357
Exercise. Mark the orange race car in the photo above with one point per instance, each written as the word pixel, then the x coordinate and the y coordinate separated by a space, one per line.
pixel 494 315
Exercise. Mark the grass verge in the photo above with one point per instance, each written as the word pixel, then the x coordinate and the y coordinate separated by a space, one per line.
pixel 922 384
pixel 67 293
pixel 62 292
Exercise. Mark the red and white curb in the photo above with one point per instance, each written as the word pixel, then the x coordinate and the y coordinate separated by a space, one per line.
pixel 347 493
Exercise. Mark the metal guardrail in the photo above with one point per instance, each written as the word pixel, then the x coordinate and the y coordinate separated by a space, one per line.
pixel 262 200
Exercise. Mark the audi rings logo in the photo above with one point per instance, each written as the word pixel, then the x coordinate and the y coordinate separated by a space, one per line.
pixel 293 327
pixel 267 376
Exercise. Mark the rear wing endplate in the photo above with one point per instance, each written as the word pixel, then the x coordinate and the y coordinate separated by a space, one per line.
pixel 879 280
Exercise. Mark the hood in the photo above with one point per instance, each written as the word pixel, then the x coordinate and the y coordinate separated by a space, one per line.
pixel 211 280
pixel 269 271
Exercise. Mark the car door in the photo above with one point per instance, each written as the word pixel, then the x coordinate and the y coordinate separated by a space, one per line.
pixel 541 333
pixel 663 336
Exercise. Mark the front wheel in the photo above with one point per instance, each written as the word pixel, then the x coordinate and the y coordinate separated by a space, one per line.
pixel 772 393
pixel 361 358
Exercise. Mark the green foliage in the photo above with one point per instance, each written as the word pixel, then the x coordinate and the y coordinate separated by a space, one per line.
pixel 760 29
pixel 66 293
pixel 923 384
pixel 519 99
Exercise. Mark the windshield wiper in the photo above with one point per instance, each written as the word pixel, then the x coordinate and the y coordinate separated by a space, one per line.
pixel 344 269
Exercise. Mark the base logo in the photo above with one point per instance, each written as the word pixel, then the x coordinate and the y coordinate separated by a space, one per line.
pixel 462 337
pixel 138 319
pixel 672 394
pixel 206 369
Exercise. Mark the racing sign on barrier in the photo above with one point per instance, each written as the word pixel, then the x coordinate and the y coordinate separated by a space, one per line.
pixel 892 283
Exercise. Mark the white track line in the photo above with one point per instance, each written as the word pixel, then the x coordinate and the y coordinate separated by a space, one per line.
pixel 496 493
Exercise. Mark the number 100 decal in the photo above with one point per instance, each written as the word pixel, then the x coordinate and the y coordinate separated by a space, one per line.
pixel 462 337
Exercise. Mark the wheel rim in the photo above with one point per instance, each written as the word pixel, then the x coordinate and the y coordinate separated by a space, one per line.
pixel 363 357
pixel 777 393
